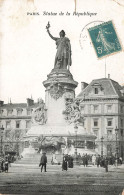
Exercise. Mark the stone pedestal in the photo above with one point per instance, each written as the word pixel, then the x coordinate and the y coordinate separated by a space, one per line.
pixel 28 151
pixel 59 85
pixel 50 123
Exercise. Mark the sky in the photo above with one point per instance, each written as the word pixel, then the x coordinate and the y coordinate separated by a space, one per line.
pixel 27 53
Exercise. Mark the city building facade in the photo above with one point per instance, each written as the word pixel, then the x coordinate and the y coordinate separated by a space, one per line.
pixel 15 121
pixel 102 105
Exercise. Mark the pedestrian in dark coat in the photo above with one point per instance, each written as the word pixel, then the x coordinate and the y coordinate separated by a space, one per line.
pixel 106 164
pixel 2 164
pixel 98 160
pixel 70 162
pixel 85 160
pixel 43 162
pixel 102 162
pixel 64 164
pixel 6 164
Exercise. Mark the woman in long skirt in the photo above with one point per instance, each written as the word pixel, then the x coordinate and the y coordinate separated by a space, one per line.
pixel 64 164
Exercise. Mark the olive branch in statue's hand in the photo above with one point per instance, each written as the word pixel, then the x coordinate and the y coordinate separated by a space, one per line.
pixel 48 26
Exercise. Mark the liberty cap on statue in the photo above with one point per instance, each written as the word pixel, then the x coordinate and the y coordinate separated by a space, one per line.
pixel 63 54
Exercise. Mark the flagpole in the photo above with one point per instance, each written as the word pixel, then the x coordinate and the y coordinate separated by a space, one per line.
pixel 105 67
pixel 75 4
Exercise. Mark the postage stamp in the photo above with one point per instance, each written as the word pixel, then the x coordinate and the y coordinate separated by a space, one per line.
pixel 104 39
pixel 84 35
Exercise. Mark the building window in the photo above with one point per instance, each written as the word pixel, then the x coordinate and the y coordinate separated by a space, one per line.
pixel 121 108
pixel 17 124
pixel 121 122
pixel 96 90
pixel 109 108
pixel 95 132
pixel 109 132
pixel 109 149
pixel 28 124
pixel 95 109
pixel 17 134
pixel 1 112
pixel 82 109
pixel 8 124
pixel 7 134
pixel 19 112
pixel 84 122
pixel 121 132
pixel 9 112
pixel 109 122
pixel 26 144
pixel 7 148
pixel 28 112
pixel 95 123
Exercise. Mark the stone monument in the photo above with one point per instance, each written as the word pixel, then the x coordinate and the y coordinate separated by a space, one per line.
pixel 57 124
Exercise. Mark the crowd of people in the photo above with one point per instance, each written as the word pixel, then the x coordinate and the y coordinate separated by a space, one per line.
pixel 68 161
pixel 86 159
pixel 5 162
pixel 99 160
pixel 95 159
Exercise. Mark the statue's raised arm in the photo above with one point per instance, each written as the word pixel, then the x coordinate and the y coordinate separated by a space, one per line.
pixel 63 54
pixel 47 27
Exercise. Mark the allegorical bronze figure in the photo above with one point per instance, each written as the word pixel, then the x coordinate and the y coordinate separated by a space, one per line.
pixel 63 54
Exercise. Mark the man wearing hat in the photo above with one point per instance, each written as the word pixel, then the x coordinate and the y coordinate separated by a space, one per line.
pixel 43 161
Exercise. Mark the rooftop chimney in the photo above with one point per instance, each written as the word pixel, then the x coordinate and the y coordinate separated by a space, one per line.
pixel 83 85
pixel 10 101
pixel 1 103
pixel 108 76
pixel 30 102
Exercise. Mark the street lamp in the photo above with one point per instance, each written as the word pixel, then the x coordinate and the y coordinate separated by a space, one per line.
pixel 102 138
pixel 1 129
pixel 17 141
pixel 16 137
pixel 116 155
pixel 76 127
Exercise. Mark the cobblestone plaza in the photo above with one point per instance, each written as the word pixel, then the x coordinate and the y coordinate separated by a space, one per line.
pixel 27 179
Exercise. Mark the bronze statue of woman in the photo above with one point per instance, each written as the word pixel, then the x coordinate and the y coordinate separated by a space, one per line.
pixel 63 54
